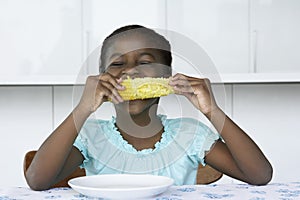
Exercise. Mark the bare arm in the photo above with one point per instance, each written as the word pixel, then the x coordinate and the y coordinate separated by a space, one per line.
pixel 238 156
pixel 57 158
pixel 56 153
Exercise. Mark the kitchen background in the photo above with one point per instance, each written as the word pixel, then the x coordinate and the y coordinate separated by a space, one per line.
pixel 254 44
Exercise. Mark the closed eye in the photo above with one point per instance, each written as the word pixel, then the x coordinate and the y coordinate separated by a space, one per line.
pixel 145 62
pixel 117 64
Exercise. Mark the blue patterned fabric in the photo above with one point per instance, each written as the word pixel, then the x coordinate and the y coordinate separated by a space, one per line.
pixel 273 191
pixel 184 144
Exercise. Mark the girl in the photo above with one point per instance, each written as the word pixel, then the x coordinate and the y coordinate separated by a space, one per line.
pixel 138 140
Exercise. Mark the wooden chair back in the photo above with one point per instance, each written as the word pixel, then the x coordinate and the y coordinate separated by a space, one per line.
pixel 205 175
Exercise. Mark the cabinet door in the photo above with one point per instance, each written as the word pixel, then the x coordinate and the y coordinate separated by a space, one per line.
pixel 40 37
pixel 219 27
pixel 25 122
pixel 277 27
pixel 270 117
pixel 103 17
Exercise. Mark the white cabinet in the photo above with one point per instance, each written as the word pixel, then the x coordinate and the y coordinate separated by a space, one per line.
pixel 275 32
pixel 40 38
pixel 219 27
pixel 269 114
pixel 45 39
pixel 100 18
pixel 50 41
pixel 247 36
pixel 25 122
pixel 63 103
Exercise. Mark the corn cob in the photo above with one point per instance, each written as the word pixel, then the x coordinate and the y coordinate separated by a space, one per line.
pixel 144 88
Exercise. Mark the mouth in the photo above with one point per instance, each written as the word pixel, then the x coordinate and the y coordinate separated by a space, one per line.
pixel 133 102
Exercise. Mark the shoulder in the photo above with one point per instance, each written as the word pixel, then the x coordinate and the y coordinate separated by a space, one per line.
pixel 193 134
pixel 186 123
pixel 95 122
pixel 92 131
pixel 92 126
pixel 192 128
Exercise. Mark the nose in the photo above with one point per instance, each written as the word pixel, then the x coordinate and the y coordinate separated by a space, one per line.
pixel 130 70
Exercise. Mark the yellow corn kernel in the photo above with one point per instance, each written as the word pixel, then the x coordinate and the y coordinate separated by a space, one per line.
pixel 144 88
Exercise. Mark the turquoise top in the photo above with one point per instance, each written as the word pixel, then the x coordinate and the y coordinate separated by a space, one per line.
pixel 183 145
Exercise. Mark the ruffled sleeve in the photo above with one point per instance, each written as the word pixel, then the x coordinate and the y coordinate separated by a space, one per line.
pixel 79 144
pixel 83 139
pixel 204 141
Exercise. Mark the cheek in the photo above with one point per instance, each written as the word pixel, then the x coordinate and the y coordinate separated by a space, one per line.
pixel 128 107
pixel 157 71
pixel 117 72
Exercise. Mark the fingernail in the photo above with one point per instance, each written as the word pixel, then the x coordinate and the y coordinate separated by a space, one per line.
pixel 121 87
pixel 120 99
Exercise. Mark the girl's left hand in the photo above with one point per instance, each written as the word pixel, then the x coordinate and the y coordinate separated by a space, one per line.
pixel 197 90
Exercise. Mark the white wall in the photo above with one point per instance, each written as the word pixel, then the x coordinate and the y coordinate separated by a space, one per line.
pixel 268 112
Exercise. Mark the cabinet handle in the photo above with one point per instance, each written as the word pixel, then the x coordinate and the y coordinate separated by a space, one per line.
pixel 86 51
pixel 255 40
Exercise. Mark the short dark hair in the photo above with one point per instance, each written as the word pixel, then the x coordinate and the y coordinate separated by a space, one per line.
pixel 161 40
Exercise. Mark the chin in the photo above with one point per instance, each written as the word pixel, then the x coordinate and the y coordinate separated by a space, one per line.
pixel 136 107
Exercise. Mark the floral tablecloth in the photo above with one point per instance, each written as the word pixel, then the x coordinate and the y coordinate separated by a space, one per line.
pixel 273 191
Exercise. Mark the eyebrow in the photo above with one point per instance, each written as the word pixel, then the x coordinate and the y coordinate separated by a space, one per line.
pixel 147 54
pixel 115 55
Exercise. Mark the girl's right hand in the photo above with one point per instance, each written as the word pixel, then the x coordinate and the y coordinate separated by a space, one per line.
pixel 99 89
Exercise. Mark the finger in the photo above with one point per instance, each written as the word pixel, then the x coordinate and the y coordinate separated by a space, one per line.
pixel 182 76
pixel 113 85
pixel 189 85
pixel 180 89
pixel 181 82
pixel 113 92
pixel 185 80
pixel 106 77
pixel 178 76
pixel 195 87
pixel 184 85
pixel 106 94
pixel 115 98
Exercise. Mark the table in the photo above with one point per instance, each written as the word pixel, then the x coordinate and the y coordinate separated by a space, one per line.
pixel 273 191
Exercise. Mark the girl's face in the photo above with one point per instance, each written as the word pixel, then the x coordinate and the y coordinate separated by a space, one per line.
pixel 135 56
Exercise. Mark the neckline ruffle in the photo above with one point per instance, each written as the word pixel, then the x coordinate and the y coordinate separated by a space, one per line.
pixel 115 137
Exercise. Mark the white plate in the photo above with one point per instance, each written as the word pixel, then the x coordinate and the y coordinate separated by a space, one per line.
pixel 121 186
